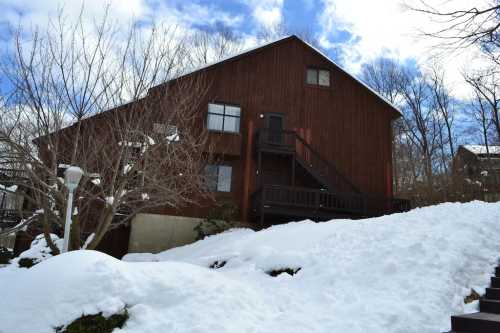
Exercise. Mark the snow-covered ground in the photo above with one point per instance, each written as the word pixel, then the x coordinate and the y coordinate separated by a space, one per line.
pixel 400 273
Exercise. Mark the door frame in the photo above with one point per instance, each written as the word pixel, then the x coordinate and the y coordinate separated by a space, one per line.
pixel 281 115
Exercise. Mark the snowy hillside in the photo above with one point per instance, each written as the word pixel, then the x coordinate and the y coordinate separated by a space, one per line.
pixel 401 273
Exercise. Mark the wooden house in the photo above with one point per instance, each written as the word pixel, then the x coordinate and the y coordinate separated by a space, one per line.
pixel 298 138
pixel 476 169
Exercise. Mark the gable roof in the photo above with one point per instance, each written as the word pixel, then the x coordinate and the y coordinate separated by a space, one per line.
pixel 279 41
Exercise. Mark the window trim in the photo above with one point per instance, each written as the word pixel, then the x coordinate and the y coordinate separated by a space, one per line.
pixel 223 115
pixel 318 70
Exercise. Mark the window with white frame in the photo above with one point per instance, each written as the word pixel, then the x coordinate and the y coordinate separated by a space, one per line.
pixel 319 77
pixel 218 177
pixel 223 118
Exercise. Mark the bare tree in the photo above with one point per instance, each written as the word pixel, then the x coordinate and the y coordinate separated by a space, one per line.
pixel 444 106
pixel 481 115
pixel 486 86
pixel 384 75
pixel 463 27
pixel 423 139
pixel 209 46
pixel 88 95
pixel 420 120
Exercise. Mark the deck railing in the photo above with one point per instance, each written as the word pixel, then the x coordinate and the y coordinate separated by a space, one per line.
pixel 279 140
pixel 8 176
pixel 316 200
pixel 11 217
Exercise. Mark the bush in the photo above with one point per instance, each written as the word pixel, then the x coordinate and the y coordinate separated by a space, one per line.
pixel 5 255
pixel 474 296
pixel 290 271
pixel 220 218
pixel 218 264
pixel 95 323
pixel 38 251
pixel 27 262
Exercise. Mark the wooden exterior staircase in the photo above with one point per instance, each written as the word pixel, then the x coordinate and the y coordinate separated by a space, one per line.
pixel 487 320
pixel 336 196
pixel 306 157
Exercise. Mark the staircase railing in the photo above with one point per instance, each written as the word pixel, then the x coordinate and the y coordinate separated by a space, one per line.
pixel 12 176
pixel 307 156
pixel 335 180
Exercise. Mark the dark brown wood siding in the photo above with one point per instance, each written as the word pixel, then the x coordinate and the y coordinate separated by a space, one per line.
pixel 346 123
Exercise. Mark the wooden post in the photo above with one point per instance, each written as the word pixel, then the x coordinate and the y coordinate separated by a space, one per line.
pixel 245 214
pixel 308 140
pixel 259 169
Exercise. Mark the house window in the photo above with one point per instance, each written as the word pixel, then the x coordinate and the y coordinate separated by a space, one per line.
pixel 224 118
pixel 318 77
pixel 218 177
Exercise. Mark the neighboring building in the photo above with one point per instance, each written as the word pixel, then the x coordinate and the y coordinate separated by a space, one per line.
pixel 299 138
pixel 477 168
pixel 13 208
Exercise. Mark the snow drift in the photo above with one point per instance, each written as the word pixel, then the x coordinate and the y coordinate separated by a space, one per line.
pixel 400 273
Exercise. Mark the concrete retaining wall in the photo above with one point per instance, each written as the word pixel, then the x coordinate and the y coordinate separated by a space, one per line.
pixel 155 233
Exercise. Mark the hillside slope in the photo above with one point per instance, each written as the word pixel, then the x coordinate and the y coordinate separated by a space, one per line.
pixel 401 273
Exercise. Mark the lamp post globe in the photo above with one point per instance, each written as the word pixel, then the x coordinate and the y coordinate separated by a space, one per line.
pixel 72 177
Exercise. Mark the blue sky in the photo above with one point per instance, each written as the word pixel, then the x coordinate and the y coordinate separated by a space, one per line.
pixel 351 32
pixel 245 17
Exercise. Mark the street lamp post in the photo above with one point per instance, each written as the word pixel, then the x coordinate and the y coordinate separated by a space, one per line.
pixel 72 177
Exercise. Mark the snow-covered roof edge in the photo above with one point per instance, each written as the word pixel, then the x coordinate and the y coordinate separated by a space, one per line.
pixel 481 149
pixel 255 48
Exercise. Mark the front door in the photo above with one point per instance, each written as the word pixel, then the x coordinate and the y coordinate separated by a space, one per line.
pixel 275 124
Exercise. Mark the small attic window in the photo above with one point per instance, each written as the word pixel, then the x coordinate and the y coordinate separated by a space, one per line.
pixel 318 77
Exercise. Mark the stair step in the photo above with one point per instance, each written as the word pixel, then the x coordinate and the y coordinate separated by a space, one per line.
pixel 493 293
pixel 489 305
pixel 479 322
pixel 495 282
pixel 497 271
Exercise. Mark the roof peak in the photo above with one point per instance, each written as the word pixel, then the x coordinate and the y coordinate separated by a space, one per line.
pixel 281 39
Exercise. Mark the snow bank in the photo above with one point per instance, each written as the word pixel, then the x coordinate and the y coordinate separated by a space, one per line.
pixel 400 273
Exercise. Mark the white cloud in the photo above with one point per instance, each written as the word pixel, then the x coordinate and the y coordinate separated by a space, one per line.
pixel 387 28
pixel 193 14
pixel 36 13
pixel 266 13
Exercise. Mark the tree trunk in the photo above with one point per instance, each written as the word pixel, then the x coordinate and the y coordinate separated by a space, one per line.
pixel 75 243
pixel 46 234
pixel 102 228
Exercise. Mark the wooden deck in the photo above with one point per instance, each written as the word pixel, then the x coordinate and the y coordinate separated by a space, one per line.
pixel 318 204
